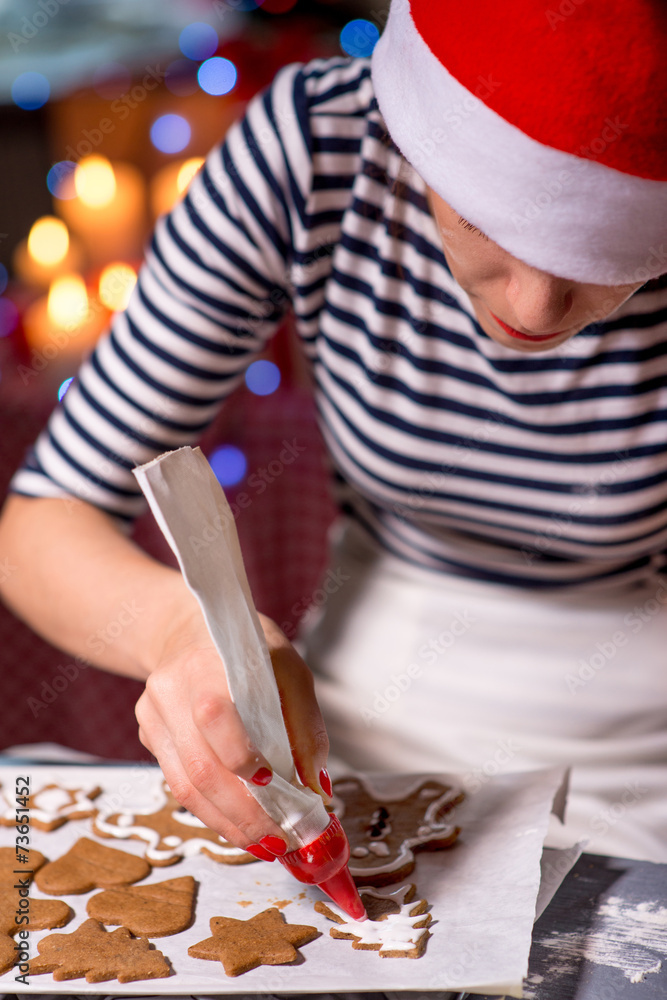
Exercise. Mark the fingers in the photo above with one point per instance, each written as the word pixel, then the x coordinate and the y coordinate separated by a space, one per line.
pixel 303 719
pixel 197 776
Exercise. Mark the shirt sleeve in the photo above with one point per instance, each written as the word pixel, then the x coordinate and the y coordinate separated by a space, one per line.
pixel 213 289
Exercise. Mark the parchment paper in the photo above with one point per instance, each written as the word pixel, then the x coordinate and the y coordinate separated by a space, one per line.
pixel 482 894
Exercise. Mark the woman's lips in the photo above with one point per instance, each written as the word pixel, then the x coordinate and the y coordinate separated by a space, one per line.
pixel 525 336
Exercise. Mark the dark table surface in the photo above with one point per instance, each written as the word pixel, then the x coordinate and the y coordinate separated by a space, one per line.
pixel 605 927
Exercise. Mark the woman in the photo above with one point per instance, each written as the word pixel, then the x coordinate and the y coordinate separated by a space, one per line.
pixel 464 230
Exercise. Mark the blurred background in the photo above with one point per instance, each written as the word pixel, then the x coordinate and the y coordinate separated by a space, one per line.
pixel 107 108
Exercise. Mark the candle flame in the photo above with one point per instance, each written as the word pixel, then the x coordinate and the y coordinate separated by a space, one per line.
pixel 48 241
pixel 117 282
pixel 67 303
pixel 95 181
pixel 188 169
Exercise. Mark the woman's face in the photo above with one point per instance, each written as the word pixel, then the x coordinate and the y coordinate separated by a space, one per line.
pixel 515 304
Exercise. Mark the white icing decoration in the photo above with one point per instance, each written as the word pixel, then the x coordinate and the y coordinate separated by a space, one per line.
pixel 359 852
pixel 51 804
pixel 187 819
pixel 423 831
pixel 395 932
pixel 172 841
pixel 379 848
pixel 125 827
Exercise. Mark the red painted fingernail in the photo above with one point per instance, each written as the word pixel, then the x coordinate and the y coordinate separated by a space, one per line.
pixel 275 845
pixel 259 852
pixel 262 776
pixel 325 782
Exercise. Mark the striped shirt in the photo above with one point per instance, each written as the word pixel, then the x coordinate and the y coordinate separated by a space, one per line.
pixel 451 451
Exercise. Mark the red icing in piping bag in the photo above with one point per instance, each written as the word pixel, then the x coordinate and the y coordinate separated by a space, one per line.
pixel 324 863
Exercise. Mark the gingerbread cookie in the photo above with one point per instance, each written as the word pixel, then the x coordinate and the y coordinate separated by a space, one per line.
pixel 153 910
pixel 265 939
pixel 384 832
pixel 49 807
pixel 396 928
pixel 89 865
pixel 18 864
pixel 19 912
pixel 170 833
pixel 98 955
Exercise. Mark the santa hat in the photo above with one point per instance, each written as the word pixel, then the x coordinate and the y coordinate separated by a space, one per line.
pixel 543 124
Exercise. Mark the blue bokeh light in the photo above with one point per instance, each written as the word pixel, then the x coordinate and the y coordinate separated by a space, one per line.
pixel 64 386
pixel 170 133
pixel 31 90
pixel 262 377
pixel 4 278
pixel 60 180
pixel 9 317
pixel 229 465
pixel 198 41
pixel 359 37
pixel 217 76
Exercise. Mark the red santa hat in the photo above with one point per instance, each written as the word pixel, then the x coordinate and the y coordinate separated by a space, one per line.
pixel 543 124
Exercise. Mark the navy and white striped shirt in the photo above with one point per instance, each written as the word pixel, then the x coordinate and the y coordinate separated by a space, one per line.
pixel 454 452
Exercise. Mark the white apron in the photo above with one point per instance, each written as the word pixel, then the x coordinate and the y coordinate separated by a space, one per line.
pixel 417 671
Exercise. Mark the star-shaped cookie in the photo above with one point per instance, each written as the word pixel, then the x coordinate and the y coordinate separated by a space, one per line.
pixel 99 955
pixel 50 806
pixel 397 926
pixel 153 910
pixel 265 939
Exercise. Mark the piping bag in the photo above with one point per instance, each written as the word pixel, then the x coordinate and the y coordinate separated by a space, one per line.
pixel 191 509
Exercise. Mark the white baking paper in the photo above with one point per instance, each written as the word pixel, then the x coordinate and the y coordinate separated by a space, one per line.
pixel 482 894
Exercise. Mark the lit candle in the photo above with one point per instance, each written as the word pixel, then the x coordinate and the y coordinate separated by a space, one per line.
pixel 66 322
pixel 171 182
pixel 46 253
pixel 109 211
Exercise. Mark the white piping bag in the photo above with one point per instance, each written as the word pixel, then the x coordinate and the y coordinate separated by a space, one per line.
pixel 192 511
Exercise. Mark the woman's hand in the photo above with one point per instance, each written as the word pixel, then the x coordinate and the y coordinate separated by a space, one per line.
pixel 189 722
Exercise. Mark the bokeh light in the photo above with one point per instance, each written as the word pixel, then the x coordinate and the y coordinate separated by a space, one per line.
pixel 95 181
pixel 217 76
pixel 9 317
pixel 359 37
pixel 187 172
pixel 60 180
pixel 198 41
pixel 67 303
pixel 262 377
pixel 181 77
pixel 229 465
pixel 30 90
pixel 4 278
pixel 170 133
pixel 64 386
pixel 116 285
pixel 48 241
pixel 111 80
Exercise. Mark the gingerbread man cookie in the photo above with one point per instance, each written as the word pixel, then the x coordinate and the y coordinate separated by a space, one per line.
pixel 170 833
pixel 396 928
pixel 385 831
